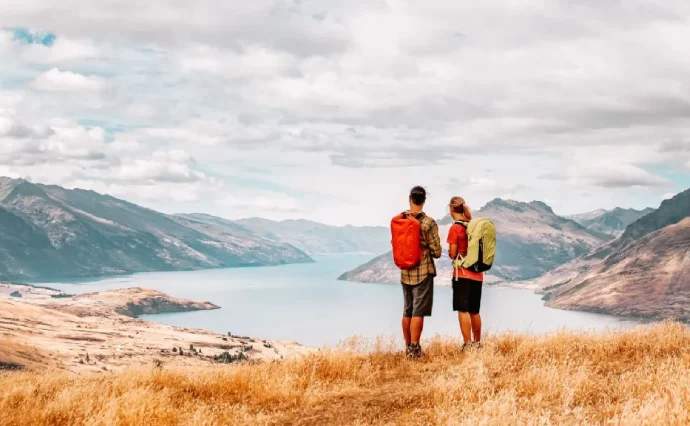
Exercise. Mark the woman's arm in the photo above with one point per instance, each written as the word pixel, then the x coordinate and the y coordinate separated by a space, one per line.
pixel 452 242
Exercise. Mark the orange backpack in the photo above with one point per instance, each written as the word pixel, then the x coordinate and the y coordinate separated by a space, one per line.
pixel 407 241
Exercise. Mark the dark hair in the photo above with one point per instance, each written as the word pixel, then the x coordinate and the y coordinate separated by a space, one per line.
pixel 418 195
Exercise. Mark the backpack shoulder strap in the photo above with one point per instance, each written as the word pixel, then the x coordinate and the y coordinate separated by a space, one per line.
pixel 458 256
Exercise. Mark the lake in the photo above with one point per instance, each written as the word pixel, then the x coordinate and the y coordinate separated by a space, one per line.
pixel 306 303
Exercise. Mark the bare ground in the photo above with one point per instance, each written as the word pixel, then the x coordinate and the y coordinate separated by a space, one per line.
pixel 90 333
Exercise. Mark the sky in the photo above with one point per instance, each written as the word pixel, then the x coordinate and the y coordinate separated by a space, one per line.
pixel 332 110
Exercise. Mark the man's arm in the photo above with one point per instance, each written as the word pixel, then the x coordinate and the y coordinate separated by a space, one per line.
pixel 434 241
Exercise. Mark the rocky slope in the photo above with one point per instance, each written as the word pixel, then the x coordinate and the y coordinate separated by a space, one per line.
pixel 611 222
pixel 643 273
pixel 48 233
pixel 531 240
pixel 647 279
pixel 319 239
pixel 95 333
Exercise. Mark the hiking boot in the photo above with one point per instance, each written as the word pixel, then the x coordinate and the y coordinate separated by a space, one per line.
pixel 409 351
pixel 414 351
pixel 471 346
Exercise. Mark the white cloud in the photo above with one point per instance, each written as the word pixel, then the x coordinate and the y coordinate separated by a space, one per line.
pixel 9 100
pixel 249 62
pixel 62 50
pixel 213 132
pixel 6 43
pixel 175 155
pixel 260 201
pixel 154 170
pixel 55 80
pixel 139 110
pixel 615 175
pixel 153 194
pixel 351 102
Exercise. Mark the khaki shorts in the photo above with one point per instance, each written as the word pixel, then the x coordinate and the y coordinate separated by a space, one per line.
pixel 419 299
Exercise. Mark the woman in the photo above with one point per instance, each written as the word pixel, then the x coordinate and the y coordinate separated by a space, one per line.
pixel 467 285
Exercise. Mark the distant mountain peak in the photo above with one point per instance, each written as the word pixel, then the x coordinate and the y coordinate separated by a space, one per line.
pixel 678 198
pixel 670 212
pixel 619 210
pixel 611 222
pixel 26 188
pixel 5 180
pixel 48 232
pixel 518 206
pixel 542 206
pixel 531 240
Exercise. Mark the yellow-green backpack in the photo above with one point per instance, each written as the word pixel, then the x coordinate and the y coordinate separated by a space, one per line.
pixel 481 245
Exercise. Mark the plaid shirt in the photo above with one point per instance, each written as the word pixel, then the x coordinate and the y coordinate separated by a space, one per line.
pixel 431 248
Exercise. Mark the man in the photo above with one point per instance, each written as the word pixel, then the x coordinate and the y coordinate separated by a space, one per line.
pixel 418 282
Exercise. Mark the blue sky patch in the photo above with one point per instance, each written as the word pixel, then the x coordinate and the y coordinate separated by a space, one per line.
pixel 680 179
pixel 27 36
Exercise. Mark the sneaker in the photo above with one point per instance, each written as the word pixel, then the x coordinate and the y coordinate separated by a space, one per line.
pixel 476 345
pixel 466 347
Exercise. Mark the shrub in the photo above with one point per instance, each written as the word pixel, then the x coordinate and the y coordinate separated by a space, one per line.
pixel 61 296
pixel 228 358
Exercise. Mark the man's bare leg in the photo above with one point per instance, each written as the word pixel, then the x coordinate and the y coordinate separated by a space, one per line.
pixel 465 326
pixel 406 321
pixel 416 328
pixel 476 321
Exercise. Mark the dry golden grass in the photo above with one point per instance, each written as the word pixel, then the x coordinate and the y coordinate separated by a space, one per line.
pixel 639 377
pixel 15 355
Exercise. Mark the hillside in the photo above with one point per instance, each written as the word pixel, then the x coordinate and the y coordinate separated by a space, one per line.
pixel 646 279
pixel 610 222
pixel 48 233
pixel 97 332
pixel 636 377
pixel 320 239
pixel 643 273
pixel 531 239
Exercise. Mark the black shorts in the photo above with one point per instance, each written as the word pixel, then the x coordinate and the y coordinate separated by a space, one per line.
pixel 467 295
pixel 419 298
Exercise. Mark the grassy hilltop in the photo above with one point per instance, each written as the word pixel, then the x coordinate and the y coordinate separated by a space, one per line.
pixel 633 377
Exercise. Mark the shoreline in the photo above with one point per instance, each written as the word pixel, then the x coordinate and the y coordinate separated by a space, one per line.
pixel 102 277
pixel 99 331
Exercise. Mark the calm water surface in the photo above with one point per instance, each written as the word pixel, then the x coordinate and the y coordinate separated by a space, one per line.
pixel 306 303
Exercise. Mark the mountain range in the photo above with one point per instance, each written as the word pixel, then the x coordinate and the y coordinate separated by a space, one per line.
pixel 643 273
pixel 531 240
pixel 319 239
pixel 49 232
pixel 611 222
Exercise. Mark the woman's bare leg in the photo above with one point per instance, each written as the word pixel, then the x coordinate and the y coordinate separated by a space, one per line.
pixel 465 326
